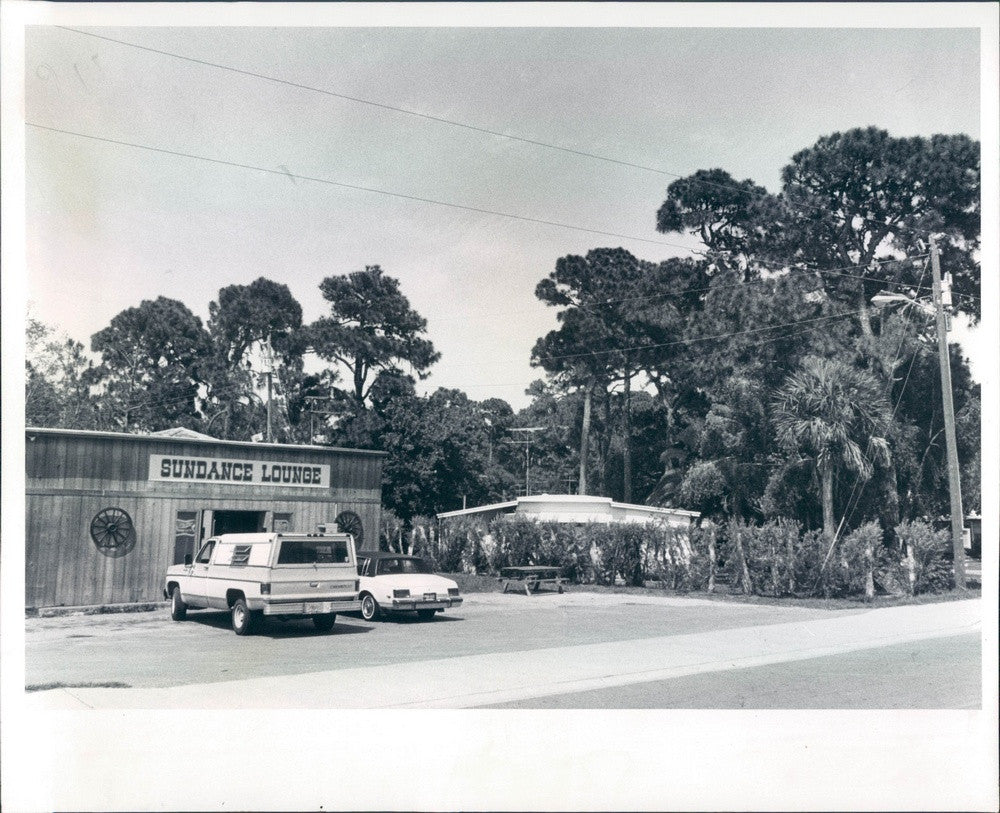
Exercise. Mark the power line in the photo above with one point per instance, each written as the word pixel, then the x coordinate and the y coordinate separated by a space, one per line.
pixel 698 338
pixel 783 337
pixel 777 275
pixel 372 103
pixel 355 187
pixel 476 128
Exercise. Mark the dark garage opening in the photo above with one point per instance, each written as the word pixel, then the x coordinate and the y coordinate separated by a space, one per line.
pixel 237 522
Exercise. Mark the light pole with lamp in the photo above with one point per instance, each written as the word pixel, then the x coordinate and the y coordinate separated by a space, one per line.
pixel 941 298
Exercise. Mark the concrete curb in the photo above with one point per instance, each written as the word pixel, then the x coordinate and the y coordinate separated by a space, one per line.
pixel 95 609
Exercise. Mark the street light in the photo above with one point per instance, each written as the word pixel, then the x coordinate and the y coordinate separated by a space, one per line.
pixel 937 310
pixel 884 299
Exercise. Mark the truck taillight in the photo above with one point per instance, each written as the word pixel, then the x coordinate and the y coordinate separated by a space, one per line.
pixel 265 589
pixel 357 584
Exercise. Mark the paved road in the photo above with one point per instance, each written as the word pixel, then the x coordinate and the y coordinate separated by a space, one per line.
pixel 937 673
pixel 498 650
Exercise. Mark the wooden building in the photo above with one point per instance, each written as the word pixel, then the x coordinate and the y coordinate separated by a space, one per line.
pixel 108 512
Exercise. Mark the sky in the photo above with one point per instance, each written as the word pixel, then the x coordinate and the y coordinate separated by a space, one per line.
pixel 109 225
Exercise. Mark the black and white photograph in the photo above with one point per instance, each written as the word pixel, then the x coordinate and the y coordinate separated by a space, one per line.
pixel 459 406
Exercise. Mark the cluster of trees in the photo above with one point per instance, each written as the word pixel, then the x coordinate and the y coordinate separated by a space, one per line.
pixel 752 381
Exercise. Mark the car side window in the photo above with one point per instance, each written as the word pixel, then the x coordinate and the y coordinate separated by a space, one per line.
pixel 206 552
pixel 363 567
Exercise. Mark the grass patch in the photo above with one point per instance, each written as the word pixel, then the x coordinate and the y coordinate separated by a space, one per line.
pixel 475 583
pixel 106 684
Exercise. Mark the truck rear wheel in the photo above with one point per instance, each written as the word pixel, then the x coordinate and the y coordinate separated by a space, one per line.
pixel 243 619
pixel 324 622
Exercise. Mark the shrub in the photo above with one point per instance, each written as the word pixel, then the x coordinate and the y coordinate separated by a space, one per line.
pixel 777 559
pixel 462 546
pixel 617 551
pixel 926 568
pixel 810 552
pixel 677 557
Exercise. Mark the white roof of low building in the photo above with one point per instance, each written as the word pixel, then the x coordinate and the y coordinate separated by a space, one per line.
pixel 573 508
pixel 181 432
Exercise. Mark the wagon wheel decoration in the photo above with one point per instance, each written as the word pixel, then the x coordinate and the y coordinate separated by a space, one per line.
pixel 113 532
pixel 350 523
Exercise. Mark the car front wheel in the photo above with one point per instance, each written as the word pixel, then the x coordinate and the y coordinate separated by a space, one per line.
pixel 178 609
pixel 369 607
pixel 243 620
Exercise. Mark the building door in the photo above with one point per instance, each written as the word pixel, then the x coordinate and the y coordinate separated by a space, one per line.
pixel 237 522
pixel 184 535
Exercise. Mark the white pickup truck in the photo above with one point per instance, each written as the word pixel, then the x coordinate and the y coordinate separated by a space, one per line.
pixel 290 575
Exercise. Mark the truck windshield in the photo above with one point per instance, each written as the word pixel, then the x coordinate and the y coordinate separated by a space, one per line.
pixel 313 552
pixel 403 565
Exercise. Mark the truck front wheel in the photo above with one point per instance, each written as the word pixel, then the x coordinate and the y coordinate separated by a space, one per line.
pixel 178 609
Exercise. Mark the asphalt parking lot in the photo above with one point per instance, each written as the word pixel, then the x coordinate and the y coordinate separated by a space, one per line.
pixel 147 649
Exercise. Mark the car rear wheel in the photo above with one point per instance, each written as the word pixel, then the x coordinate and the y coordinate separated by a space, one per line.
pixel 178 609
pixel 324 622
pixel 369 607
pixel 425 615
pixel 243 619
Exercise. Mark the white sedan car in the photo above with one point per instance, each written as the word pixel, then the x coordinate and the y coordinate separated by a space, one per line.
pixel 394 582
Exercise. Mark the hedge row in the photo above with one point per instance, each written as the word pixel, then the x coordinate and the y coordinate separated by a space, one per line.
pixel 774 559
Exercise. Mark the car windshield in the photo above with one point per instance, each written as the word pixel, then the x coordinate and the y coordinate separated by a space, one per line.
pixel 403 564
pixel 313 552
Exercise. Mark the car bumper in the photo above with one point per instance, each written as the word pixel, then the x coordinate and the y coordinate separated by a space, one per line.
pixel 312 607
pixel 416 603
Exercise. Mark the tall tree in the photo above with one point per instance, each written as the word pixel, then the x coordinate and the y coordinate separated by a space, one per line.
pixel 609 327
pixel 256 329
pixel 56 380
pixel 837 415
pixel 852 217
pixel 439 448
pixel 150 371
pixel 856 196
pixel 371 328
pixel 567 355
pixel 847 203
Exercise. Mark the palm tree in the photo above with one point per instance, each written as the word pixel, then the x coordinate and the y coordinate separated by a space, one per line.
pixel 837 414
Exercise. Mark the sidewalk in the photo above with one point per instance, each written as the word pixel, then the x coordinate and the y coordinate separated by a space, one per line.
pixel 477 680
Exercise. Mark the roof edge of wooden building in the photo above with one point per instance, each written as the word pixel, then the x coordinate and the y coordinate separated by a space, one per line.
pixel 204 440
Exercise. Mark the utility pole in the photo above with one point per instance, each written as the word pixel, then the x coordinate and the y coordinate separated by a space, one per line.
pixel 528 430
pixel 313 412
pixel 269 361
pixel 269 375
pixel 627 432
pixel 954 482
pixel 585 436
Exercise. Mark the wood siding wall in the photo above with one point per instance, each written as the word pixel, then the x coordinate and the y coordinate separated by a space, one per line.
pixel 70 477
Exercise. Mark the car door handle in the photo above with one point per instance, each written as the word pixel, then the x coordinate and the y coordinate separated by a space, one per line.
pixel 314 584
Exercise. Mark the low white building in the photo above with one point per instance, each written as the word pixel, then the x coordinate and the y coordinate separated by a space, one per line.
pixel 576 508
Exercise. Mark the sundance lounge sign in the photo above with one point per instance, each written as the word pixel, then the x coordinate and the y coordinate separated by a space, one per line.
pixel 227 471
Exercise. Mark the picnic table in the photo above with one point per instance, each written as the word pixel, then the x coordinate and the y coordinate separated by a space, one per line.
pixel 531 577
